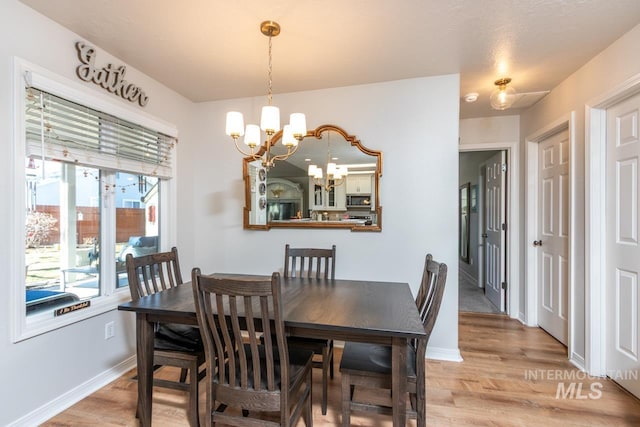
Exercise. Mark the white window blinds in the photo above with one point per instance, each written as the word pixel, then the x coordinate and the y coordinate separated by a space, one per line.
pixel 63 130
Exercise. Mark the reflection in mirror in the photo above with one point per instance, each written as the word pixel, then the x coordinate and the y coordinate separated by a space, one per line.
pixel 463 202
pixel 331 182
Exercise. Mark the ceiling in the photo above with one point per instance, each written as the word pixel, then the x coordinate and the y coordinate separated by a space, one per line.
pixel 213 49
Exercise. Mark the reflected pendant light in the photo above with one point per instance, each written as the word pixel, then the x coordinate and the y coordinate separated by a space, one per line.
pixel 335 176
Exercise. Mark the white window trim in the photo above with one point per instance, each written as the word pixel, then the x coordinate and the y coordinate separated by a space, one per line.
pixel 21 326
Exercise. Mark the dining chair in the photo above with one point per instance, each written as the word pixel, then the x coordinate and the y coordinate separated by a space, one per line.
pixel 369 365
pixel 241 318
pixel 313 263
pixel 174 345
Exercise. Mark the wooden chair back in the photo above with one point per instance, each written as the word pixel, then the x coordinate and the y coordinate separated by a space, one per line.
pixel 428 302
pixel 430 305
pixel 233 314
pixel 153 273
pixel 310 262
pixel 425 283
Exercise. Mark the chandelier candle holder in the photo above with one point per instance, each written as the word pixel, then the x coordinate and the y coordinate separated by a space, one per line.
pixel 336 175
pixel 292 133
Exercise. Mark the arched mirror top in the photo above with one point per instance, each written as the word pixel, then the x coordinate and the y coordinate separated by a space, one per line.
pixel 345 194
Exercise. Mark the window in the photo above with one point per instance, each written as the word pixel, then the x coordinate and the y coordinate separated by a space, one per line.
pixel 131 204
pixel 63 224
pixel 90 194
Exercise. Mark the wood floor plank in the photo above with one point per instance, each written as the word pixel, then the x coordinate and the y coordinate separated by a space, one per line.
pixel 509 377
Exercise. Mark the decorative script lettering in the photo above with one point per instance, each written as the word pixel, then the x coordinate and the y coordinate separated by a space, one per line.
pixel 110 77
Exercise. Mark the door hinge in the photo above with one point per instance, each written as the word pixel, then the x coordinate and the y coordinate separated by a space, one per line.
pixel 504 167
pixel 504 226
pixel 504 285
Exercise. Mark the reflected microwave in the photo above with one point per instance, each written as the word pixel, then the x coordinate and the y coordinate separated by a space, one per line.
pixel 361 201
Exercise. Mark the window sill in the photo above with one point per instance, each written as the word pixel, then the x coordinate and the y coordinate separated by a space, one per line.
pixel 41 323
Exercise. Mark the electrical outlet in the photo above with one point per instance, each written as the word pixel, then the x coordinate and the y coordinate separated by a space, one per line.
pixel 109 330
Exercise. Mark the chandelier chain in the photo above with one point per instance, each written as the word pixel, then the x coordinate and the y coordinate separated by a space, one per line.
pixel 269 96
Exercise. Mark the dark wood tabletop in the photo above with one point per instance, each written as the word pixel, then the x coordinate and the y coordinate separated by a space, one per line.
pixel 373 308
pixel 349 310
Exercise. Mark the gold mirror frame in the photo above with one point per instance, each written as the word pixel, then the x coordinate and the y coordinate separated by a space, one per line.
pixel 316 133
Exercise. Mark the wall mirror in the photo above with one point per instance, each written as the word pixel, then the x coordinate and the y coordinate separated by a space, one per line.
pixel 345 194
pixel 463 221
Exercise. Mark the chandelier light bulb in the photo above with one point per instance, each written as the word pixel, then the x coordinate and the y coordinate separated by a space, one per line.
pixel 270 119
pixel 252 136
pixel 288 139
pixel 298 123
pixel 235 124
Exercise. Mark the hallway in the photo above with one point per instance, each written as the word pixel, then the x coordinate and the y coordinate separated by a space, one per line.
pixel 470 297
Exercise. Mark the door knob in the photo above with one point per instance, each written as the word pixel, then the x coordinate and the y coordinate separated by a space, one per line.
pixel 537 243
pixel 485 235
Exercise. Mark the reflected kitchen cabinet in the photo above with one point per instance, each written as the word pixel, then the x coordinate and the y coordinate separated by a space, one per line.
pixel 331 199
pixel 359 184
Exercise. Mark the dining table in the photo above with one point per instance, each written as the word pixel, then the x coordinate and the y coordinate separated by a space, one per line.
pixel 339 309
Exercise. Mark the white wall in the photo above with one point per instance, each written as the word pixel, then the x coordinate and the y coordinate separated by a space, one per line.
pixel 607 70
pixel 39 370
pixel 489 130
pixel 414 122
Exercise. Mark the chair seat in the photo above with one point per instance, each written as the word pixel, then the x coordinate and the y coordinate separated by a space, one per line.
pixel 170 336
pixel 314 344
pixel 367 359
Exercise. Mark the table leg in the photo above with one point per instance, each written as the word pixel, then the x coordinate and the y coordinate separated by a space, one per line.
pixel 144 346
pixel 399 380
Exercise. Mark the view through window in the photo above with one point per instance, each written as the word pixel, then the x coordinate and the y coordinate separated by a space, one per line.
pixel 63 242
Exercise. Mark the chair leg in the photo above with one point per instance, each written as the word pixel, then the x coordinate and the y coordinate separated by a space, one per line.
pixel 346 400
pixel 194 416
pixel 308 422
pixel 421 404
pixel 325 368
pixel 331 362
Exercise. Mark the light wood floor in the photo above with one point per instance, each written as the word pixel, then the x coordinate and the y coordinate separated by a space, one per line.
pixel 490 388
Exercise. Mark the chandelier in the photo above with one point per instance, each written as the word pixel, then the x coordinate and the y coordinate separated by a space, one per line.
pixel 335 174
pixel 292 133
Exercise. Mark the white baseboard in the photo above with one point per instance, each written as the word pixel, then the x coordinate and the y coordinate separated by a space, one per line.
pixel 578 361
pixel 447 354
pixel 49 410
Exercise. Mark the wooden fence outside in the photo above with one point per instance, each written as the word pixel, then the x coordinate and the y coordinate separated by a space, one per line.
pixel 129 222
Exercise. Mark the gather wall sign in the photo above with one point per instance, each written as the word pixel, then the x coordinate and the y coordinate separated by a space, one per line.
pixel 109 77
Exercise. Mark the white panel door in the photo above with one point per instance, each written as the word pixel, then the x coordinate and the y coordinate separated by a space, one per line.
pixel 623 253
pixel 495 243
pixel 553 235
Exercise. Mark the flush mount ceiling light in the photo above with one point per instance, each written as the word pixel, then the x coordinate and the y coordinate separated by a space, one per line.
pixel 503 96
pixel 292 133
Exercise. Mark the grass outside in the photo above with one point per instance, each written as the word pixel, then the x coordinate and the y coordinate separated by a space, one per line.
pixel 43 264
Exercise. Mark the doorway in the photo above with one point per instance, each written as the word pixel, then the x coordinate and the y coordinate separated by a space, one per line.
pixel 514 274
pixel 482 231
